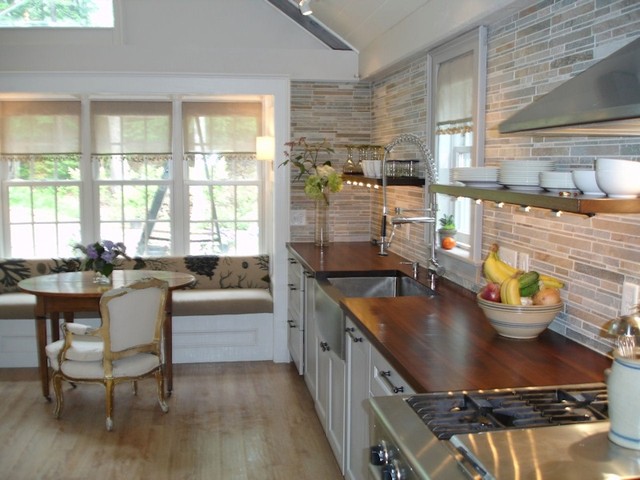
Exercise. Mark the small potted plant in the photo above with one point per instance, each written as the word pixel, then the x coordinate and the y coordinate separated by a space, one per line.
pixel 447 232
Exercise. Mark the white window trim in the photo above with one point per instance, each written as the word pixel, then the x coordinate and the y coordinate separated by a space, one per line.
pixel 82 86
pixel 475 41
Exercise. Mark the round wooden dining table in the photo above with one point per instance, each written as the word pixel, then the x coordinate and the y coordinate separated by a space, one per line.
pixel 71 292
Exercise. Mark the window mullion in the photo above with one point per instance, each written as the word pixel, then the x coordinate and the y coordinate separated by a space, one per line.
pixel 89 204
pixel 180 204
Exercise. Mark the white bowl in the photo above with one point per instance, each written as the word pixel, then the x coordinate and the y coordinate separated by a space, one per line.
pixel 629 166
pixel 515 321
pixel 619 182
pixel 585 180
pixel 372 168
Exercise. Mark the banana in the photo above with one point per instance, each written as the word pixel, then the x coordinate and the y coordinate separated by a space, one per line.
pixel 510 291
pixel 551 282
pixel 504 292
pixel 491 270
pixel 506 267
pixel 494 269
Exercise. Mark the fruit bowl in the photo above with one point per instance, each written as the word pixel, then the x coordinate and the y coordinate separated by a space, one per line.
pixel 518 321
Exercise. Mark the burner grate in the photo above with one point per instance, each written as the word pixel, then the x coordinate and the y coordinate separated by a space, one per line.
pixel 448 414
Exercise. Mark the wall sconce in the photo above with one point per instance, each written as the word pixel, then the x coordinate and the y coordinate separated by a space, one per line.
pixel 305 7
pixel 525 208
pixel 556 213
pixel 265 148
pixel 499 204
pixel 478 201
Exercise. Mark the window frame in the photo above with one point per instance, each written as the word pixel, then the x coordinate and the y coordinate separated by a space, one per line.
pixel 89 184
pixel 474 42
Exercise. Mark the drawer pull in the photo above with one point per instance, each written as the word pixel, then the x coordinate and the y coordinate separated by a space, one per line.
pixel 350 331
pixel 385 374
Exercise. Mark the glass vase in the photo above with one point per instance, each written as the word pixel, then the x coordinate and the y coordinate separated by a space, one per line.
pixel 101 279
pixel 322 222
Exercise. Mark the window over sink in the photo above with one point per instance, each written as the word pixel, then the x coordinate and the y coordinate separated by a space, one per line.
pixel 457 78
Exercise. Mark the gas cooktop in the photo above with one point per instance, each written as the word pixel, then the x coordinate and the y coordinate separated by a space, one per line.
pixel 448 414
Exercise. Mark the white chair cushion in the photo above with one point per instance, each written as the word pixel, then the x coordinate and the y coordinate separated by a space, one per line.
pixel 133 366
pixel 85 349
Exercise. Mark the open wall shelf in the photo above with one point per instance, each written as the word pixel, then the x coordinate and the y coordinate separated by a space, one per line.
pixel 581 204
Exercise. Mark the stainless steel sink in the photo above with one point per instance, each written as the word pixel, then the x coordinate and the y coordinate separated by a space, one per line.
pixel 330 319
pixel 392 286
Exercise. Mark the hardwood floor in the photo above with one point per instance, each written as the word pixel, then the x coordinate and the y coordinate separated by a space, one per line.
pixel 244 420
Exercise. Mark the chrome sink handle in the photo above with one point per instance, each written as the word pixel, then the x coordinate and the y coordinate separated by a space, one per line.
pixel 414 267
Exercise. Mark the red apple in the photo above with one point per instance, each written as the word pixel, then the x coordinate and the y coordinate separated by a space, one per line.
pixel 491 292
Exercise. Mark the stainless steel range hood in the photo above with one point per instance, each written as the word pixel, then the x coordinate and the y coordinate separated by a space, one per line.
pixel 602 100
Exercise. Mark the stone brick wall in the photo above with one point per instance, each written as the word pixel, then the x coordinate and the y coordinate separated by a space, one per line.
pixel 341 113
pixel 529 54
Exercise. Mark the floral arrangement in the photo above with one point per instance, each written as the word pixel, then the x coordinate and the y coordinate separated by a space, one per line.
pixel 102 255
pixel 318 176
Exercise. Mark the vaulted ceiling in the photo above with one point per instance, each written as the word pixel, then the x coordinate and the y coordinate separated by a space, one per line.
pixel 383 32
pixel 350 24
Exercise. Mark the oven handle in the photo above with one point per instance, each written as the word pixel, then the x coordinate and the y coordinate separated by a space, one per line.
pixel 385 374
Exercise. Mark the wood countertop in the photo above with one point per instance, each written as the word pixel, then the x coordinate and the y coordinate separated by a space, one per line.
pixel 445 343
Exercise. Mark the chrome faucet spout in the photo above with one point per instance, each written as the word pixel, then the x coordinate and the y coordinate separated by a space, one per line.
pixel 431 175
pixel 401 220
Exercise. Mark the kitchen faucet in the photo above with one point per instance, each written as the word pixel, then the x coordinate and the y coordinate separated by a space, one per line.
pixel 429 213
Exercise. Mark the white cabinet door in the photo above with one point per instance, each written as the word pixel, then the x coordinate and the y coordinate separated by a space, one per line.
pixel 330 397
pixel 311 342
pixel 330 388
pixel 296 314
pixel 385 380
pixel 358 354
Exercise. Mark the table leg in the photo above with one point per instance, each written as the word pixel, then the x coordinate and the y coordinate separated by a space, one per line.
pixel 43 367
pixel 168 353
pixel 54 320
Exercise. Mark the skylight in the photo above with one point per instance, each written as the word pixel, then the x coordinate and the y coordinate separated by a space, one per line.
pixel 56 14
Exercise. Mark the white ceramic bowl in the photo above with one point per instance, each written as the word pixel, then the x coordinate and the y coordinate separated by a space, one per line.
pixel 515 321
pixel 629 166
pixel 585 181
pixel 619 182
pixel 372 168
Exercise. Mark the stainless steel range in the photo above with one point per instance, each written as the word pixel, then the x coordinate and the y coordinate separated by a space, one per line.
pixel 523 433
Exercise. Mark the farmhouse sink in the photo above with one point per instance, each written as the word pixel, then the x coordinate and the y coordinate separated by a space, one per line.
pixel 391 286
pixel 330 319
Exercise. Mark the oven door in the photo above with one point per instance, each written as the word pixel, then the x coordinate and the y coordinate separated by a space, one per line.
pixel 403 448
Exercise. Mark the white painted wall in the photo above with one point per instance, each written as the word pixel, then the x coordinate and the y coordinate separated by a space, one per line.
pixel 223 37
pixel 433 24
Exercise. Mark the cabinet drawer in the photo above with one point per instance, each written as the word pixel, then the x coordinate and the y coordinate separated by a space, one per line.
pixel 385 380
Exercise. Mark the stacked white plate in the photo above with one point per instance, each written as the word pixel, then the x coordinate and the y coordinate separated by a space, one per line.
pixel 479 177
pixel 523 174
pixel 557 182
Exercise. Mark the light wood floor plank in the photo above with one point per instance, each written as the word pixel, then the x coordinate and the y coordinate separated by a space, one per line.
pixel 244 421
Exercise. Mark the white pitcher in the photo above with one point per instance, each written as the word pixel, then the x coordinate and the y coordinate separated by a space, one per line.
pixel 623 385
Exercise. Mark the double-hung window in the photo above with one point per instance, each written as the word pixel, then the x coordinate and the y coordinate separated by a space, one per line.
pixel 132 168
pixel 223 178
pixel 164 176
pixel 40 173
pixel 457 84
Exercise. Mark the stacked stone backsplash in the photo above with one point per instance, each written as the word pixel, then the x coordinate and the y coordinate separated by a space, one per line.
pixel 529 53
pixel 341 113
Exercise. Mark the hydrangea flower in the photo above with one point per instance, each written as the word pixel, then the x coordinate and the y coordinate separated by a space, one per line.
pixel 102 255
pixel 319 177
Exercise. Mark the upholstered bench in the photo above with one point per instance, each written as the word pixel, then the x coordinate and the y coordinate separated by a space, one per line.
pixel 226 315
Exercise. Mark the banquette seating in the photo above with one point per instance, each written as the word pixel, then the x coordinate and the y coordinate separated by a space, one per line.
pixel 227 315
